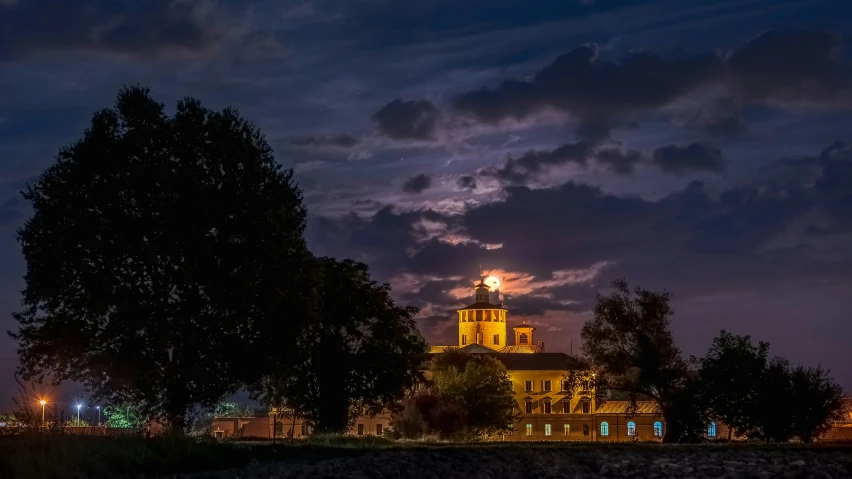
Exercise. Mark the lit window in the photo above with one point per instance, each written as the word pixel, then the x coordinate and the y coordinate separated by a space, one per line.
pixel 711 429
pixel 528 407
pixel 547 429
pixel 378 429
pixel 604 429
pixel 547 407
pixel 658 429
pixel 528 385
pixel 546 385
pixel 567 429
pixel 586 407
pixel 631 428
pixel 529 429
pixel 585 429
pixel 496 339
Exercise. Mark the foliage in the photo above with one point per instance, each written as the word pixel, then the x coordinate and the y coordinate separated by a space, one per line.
pixel 629 342
pixel 731 373
pixel 481 388
pixel 752 394
pixel 358 353
pixel 161 258
pixel 122 416
pixel 816 401
pixel 230 409
pixel 470 397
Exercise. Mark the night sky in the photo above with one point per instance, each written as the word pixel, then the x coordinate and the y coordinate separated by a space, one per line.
pixel 698 146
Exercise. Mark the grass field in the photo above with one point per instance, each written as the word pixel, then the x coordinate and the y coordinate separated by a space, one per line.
pixel 65 456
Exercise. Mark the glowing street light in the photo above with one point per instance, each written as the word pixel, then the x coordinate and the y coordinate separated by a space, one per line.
pixel 78 414
pixel 99 414
pixel 43 404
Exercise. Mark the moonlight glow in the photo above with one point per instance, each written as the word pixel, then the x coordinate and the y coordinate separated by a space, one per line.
pixel 492 282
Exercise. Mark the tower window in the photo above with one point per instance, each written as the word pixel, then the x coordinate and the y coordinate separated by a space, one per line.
pixel 523 339
pixel 464 339
pixel 496 339
pixel 478 338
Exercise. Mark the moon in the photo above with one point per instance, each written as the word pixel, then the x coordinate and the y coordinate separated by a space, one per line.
pixel 492 282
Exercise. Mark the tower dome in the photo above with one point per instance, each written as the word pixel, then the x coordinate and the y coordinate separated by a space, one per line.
pixel 482 322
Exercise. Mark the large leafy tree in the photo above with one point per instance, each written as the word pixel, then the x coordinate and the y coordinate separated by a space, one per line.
pixel 163 258
pixel 359 352
pixel 479 384
pixel 732 372
pixel 629 342
pixel 816 401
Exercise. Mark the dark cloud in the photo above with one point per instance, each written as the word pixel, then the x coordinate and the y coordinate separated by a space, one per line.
pixel 342 141
pixel 417 183
pixel 466 182
pixel 535 163
pixel 407 119
pixel 683 159
pixel 594 90
pixel 777 66
pixel 619 162
pixel 791 66
pixel 143 28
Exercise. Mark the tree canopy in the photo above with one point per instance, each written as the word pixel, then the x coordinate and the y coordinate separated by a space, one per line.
pixel 358 353
pixel 469 395
pixel 629 342
pixel 164 251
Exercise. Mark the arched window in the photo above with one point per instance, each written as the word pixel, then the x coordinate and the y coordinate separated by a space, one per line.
pixel 631 428
pixel 523 339
pixel 604 429
pixel 711 430
pixel 658 429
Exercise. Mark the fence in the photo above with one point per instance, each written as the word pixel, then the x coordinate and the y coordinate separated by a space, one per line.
pixel 103 431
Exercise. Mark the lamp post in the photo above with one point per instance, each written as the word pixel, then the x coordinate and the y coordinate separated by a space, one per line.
pixel 78 414
pixel 99 414
pixel 43 403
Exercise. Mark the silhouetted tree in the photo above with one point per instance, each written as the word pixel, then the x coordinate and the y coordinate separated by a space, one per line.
pixel 731 373
pixel 358 353
pixel 163 257
pixel 816 401
pixel 629 342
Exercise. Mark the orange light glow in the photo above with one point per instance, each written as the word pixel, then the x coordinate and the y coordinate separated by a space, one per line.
pixel 493 282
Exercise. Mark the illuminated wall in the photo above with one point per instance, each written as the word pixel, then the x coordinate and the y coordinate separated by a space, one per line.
pixel 486 327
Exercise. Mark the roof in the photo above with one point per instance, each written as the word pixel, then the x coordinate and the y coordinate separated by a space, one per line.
pixel 537 361
pixel 621 407
pixel 523 348
pixel 483 305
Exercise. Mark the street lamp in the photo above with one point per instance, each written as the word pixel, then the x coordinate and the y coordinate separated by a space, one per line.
pixel 99 414
pixel 43 404
pixel 78 414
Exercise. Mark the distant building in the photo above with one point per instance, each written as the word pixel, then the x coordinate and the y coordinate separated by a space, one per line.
pixel 544 408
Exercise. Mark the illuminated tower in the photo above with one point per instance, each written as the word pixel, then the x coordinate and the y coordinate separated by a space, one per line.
pixel 482 322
